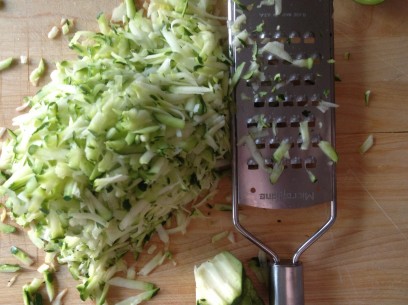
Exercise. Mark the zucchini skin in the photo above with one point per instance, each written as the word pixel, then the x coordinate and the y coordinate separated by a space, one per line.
pixel 223 266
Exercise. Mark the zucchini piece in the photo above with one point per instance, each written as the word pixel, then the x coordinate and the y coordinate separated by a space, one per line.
pixel 9 268
pixel 369 2
pixel 5 228
pixel 6 63
pixel 222 281
pixel 21 255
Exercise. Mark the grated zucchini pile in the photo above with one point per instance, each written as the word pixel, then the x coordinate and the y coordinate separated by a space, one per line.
pixel 122 137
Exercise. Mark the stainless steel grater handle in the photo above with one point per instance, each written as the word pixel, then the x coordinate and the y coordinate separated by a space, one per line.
pixel 286 284
pixel 285 276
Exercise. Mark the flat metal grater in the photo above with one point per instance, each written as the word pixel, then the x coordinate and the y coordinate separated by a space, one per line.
pixel 283 119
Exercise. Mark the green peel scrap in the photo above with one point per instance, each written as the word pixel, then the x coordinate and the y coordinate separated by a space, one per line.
pixel 6 63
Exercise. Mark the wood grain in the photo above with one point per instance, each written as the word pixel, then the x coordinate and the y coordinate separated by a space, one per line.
pixel 362 260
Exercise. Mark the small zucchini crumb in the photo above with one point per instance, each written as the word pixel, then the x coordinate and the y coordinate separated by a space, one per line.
pixel 22 107
pixel 2 131
pixel 231 237
pixel 58 298
pixel 367 144
pixel 12 280
pixel 151 249
pixel 367 97
pixel 24 59
pixel 3 214
pixel 66 25
pixel 6 63
pixel 53 32
pixel 312 176
pixel 219 236
pixel 37 73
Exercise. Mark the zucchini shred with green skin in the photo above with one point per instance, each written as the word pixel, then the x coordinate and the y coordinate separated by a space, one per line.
pixel 222 281
pixel 121 138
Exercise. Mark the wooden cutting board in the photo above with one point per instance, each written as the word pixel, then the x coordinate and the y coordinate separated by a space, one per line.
pixel 363 258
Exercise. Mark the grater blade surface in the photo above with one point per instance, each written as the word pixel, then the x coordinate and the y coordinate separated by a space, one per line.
pixel 272 102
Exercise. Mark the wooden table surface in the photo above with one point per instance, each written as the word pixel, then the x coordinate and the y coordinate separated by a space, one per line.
pixel 363 258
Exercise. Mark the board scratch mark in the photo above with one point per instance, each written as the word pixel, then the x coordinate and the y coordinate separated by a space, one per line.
pixel 380 207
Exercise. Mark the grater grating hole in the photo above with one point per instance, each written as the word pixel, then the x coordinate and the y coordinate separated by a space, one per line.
pixel 288 101
pixel 301 56
pixel 281 122
pixel 269 163
pixel 272 102
pixel 252 165
pixel 301 100
pixel 315 99
pixel 311 120
pixel 259 102
pixel 315 140
pixel 299 141
pixel 296 162
pixel 254 82
pixel 295 121
pixel 309 79
pixel 317 58
pixel 294 38
pixel 251 122
pixel 272 60
pixel 290 141
pixel 274 142
pixel 280 36
pixel 310 162
pixel 260 143
pixel 309 38
pixel 294 79
pixel 263 37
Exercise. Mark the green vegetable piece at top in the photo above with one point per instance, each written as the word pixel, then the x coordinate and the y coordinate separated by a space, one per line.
pixel 369 2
